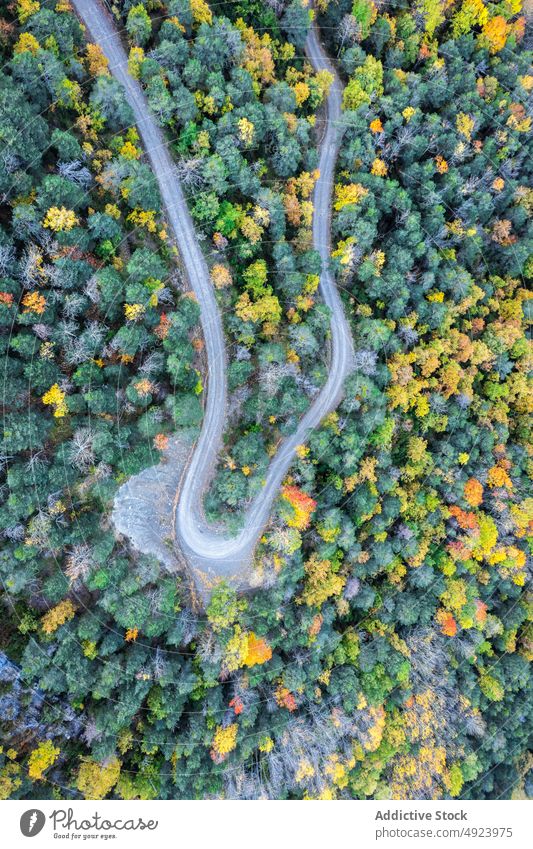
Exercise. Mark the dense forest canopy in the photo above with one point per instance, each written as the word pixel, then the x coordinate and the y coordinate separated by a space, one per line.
pixel 385 650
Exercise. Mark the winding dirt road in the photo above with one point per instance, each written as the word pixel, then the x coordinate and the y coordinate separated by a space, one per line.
pixel 209 553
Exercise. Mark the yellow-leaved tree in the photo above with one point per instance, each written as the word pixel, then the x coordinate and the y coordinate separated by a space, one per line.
pixel 95 780
pixel 41 759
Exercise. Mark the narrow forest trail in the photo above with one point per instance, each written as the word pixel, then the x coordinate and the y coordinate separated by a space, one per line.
pixel 209 553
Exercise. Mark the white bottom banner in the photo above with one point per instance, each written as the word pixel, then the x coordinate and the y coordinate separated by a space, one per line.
pixel 231 825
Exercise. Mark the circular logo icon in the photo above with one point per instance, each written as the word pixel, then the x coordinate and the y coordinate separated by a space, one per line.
pixel 32 822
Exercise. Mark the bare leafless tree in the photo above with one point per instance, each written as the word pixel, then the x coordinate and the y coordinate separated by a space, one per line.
pixel 79 563
pixel 81 452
